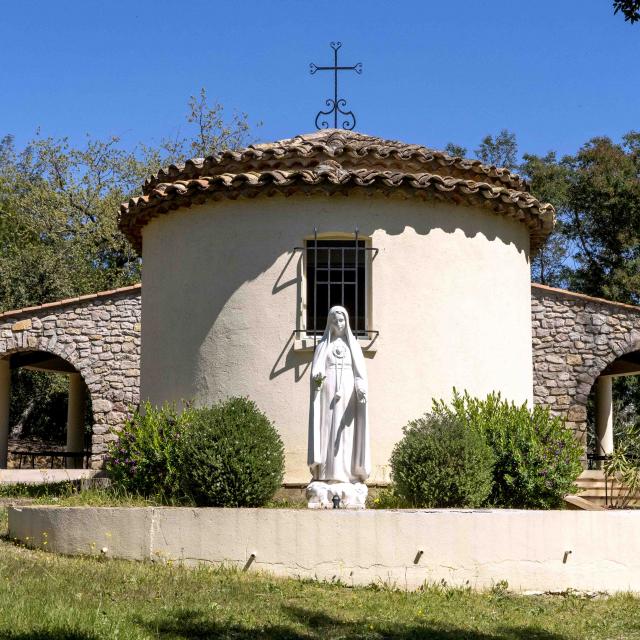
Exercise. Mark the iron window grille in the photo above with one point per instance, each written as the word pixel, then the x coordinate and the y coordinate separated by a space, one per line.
pixel 337 273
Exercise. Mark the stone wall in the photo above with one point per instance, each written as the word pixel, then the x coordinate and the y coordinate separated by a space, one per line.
pixel 99 335
pixel 575 337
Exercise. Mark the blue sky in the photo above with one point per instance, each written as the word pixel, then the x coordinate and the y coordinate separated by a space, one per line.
pixel 556 72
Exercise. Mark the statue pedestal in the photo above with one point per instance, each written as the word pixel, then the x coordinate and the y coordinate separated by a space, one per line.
pixel 352 495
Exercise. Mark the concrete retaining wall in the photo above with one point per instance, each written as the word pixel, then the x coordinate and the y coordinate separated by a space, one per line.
pixel 532 550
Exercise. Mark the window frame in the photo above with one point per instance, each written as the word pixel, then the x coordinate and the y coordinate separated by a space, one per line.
pixel 367 335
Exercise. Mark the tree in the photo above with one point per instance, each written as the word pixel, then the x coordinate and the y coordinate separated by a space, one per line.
pixel 455 150
pixel 630 9
pixel 59 202
pixel 213 134
pixel 603 218
pixel 209 132
pixel 58 226
pixel 501 151
pixel 548 180
pixel 595 248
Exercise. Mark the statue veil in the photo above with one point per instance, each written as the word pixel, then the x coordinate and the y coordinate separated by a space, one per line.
pixel 361 457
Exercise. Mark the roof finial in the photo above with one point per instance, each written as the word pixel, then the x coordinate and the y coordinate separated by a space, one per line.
pixel 336 105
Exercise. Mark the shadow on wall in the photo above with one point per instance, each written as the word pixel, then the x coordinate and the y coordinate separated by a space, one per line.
pixel 288 359
pixel 193 624
pixel 216 261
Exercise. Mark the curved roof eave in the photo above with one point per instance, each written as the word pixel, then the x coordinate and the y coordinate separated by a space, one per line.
pixel 336 161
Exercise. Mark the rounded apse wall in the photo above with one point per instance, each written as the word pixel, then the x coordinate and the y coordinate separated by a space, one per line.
pixel 449 293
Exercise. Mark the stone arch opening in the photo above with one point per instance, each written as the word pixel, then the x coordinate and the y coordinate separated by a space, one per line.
pixel 609 412
pixel 59 440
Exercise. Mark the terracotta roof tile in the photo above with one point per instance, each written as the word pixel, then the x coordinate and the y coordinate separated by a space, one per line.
pixel 336 161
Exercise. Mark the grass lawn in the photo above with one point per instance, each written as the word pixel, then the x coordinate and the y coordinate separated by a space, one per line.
pixel 43 596
pixel 67 494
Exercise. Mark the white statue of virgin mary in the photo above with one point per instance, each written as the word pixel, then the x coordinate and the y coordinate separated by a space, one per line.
pixel 339 457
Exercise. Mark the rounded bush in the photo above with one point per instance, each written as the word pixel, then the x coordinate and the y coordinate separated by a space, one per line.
pixel 229 455
pixel 440 462
pixel 537 457
pixel 143 458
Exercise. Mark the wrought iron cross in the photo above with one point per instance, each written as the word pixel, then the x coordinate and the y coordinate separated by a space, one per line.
pixel 336 105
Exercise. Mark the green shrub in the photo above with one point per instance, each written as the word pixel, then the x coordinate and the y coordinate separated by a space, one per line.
pixel 440 462
pixel 143 458
pixel 537 459
pixel 387 498
pixel 225 455
pixel 623 467
pixel 230 455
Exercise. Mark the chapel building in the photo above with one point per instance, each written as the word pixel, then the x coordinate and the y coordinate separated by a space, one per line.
pixel 244 253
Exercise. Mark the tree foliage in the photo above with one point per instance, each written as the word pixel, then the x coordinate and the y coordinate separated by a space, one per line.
pixel 58 230
pixel 59 205
pixel 630 9
pixel 549 183
pixel 595 246
pixel 38 410
pixel 59 236
pixel 501 150
pixel 603 218
pixel 456 150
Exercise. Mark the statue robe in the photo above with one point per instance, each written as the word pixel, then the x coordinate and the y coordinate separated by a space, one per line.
pixel 338 424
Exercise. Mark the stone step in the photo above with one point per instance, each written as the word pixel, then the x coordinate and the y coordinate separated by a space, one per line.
pixel 592 486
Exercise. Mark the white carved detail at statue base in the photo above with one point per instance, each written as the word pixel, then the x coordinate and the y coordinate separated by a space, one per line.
pixel 353 495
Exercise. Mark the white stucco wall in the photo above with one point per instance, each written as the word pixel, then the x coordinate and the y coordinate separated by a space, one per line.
pixel 531 550
pixel 450 297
